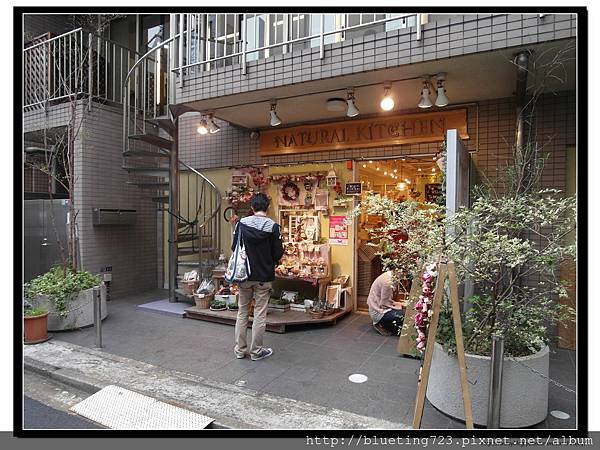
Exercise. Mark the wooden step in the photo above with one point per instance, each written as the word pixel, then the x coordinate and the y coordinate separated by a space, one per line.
pixel 189 251
pixel 196 264
pixel 153 140
pixel 146 153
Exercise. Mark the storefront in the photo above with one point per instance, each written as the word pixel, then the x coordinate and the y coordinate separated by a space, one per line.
pixel 329 253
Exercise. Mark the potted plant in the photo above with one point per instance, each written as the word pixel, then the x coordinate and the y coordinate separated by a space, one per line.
pixel 218 305
pixel 67 295
pixel 35 325
pixel 510 244
pixel 279 304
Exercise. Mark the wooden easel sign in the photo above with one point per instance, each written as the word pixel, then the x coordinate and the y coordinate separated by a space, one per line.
pixel 444 270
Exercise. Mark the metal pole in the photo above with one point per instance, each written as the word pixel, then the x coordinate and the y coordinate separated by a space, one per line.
pixel 98 316
pixel 322 38
pixel 244 40
pixel 90 77
pixel 495 393
pixel 174 209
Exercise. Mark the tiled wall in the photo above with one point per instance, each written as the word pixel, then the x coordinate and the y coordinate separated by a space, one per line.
pixel 491 127
pixel 101 183
pixel 444 36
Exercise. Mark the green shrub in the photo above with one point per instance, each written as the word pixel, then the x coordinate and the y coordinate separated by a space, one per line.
pixel 34 312
pixel 60 286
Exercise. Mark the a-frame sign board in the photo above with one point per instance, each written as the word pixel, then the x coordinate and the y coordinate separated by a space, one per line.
pixel 444 270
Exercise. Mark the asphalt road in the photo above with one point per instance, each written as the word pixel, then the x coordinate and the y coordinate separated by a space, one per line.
pixel 39 416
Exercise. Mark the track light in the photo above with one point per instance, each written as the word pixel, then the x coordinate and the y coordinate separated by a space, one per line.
pixel 441 99
pixel 425 100
pixel 275 120
pixel 203 127
pixel 387 102
pixel 352 110
pixel 212 126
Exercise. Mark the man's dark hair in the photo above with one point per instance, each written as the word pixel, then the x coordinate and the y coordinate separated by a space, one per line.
pixel 260 202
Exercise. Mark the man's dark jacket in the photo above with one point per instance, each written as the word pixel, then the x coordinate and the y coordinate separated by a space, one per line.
pixel 262 240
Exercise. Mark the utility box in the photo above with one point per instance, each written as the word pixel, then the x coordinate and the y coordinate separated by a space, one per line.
pixel 101 217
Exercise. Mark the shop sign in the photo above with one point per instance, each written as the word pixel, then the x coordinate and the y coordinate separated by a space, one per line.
pixel 338 230
pixel 364 133
pixel 353 188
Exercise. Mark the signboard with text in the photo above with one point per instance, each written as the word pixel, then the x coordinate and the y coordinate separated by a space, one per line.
pixel 354 188
pixel 338 230
pixel 364 133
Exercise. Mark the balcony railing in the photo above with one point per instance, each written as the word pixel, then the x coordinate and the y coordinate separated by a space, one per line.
pixel 216 40
pixel 73 65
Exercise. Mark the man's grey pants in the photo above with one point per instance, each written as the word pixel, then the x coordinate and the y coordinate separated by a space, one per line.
pixel 260 291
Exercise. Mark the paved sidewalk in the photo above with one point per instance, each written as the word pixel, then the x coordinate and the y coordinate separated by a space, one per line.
pixel 310 365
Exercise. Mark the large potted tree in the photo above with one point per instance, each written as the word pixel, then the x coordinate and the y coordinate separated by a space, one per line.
pixel 509 244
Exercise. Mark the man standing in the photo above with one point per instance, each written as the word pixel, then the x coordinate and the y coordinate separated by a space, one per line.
pixel 262 241
pixel 387 314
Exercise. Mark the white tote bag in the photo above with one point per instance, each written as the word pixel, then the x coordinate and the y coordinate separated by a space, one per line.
pixel 238 269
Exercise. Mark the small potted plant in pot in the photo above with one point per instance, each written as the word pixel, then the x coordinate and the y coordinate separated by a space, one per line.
pixel 218 305
pixel 35 325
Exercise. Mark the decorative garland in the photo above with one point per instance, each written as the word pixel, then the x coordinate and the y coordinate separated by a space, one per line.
pixel 423 306
pixel 290 191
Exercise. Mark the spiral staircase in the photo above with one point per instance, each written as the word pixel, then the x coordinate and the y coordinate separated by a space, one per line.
pixel 189 201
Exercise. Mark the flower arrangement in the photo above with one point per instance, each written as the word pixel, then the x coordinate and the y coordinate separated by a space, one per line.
pixel 290 191
pixel 423 306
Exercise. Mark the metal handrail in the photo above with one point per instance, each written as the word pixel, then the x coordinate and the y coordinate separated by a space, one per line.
pixel 216 191
pixel 46 41
pixel 321 35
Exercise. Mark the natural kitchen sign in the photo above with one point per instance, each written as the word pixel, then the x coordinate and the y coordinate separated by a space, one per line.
pixel 364 133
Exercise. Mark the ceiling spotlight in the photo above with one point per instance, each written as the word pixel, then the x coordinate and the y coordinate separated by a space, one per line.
pixel 419 169
pixel 401 186
pixel 352 110
pixel 387 102
pixel 203 127
pixel 212 126
pixel 364 165
pixel 441 99
pixel 395 170
pixel 275 120
pixel 425 100
pixel 385 173
pixel 370 162
pixel 433 169
pixel 378 168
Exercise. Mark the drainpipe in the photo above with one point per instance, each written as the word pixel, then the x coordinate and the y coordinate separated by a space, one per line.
pixel 522 63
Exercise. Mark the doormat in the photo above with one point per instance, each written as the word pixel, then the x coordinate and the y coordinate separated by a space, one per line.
pixel 121 409
pixel 165 307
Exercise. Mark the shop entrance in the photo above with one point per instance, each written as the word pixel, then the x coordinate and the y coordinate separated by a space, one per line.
pixel 416 178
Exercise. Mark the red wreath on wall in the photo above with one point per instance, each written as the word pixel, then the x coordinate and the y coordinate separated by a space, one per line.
pixel 290 191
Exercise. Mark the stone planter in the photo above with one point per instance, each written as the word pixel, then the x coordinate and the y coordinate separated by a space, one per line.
pixel 524 393
pixel 80 310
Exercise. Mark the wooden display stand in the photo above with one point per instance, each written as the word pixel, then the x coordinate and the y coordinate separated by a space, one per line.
pixel 444 270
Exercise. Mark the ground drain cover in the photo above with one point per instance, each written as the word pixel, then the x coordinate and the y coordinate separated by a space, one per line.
pixel 120 409
pixel 358 378
pixel 560 414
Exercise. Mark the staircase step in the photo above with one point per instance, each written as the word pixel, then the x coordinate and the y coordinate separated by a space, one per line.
pixel 153 140
pixel 149 184
pixel 187 237
pixel 149 171
pixel 163 122
pixel 196 263
pixel 161 199
pixel 149 153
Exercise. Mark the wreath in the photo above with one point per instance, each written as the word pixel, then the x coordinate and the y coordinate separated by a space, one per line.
pixel 290 191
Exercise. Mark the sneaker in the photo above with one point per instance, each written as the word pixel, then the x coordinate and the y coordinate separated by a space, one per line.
pixel 382 331
pixel 239 355
pixel 264 353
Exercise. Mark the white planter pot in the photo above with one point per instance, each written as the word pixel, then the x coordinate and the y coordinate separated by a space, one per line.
pixel 80 310
pixel 524 393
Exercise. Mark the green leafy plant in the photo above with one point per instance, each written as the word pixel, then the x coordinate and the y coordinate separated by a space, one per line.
pixel 34 312
pixel 412 233
pixel 60 286
pixel 218 304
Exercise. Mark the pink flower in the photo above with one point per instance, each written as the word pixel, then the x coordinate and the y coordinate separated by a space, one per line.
pixel 426 277
pixel 420 345
pixel 419 305
pixel 421 336
pixel 426 290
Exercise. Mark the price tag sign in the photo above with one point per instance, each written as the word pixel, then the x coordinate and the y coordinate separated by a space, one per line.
pixel 353 188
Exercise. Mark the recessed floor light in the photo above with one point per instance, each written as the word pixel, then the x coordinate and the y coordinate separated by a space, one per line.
pixel 560 415
pixel 358 378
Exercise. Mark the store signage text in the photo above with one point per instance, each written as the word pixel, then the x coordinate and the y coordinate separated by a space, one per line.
pixel 364 133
